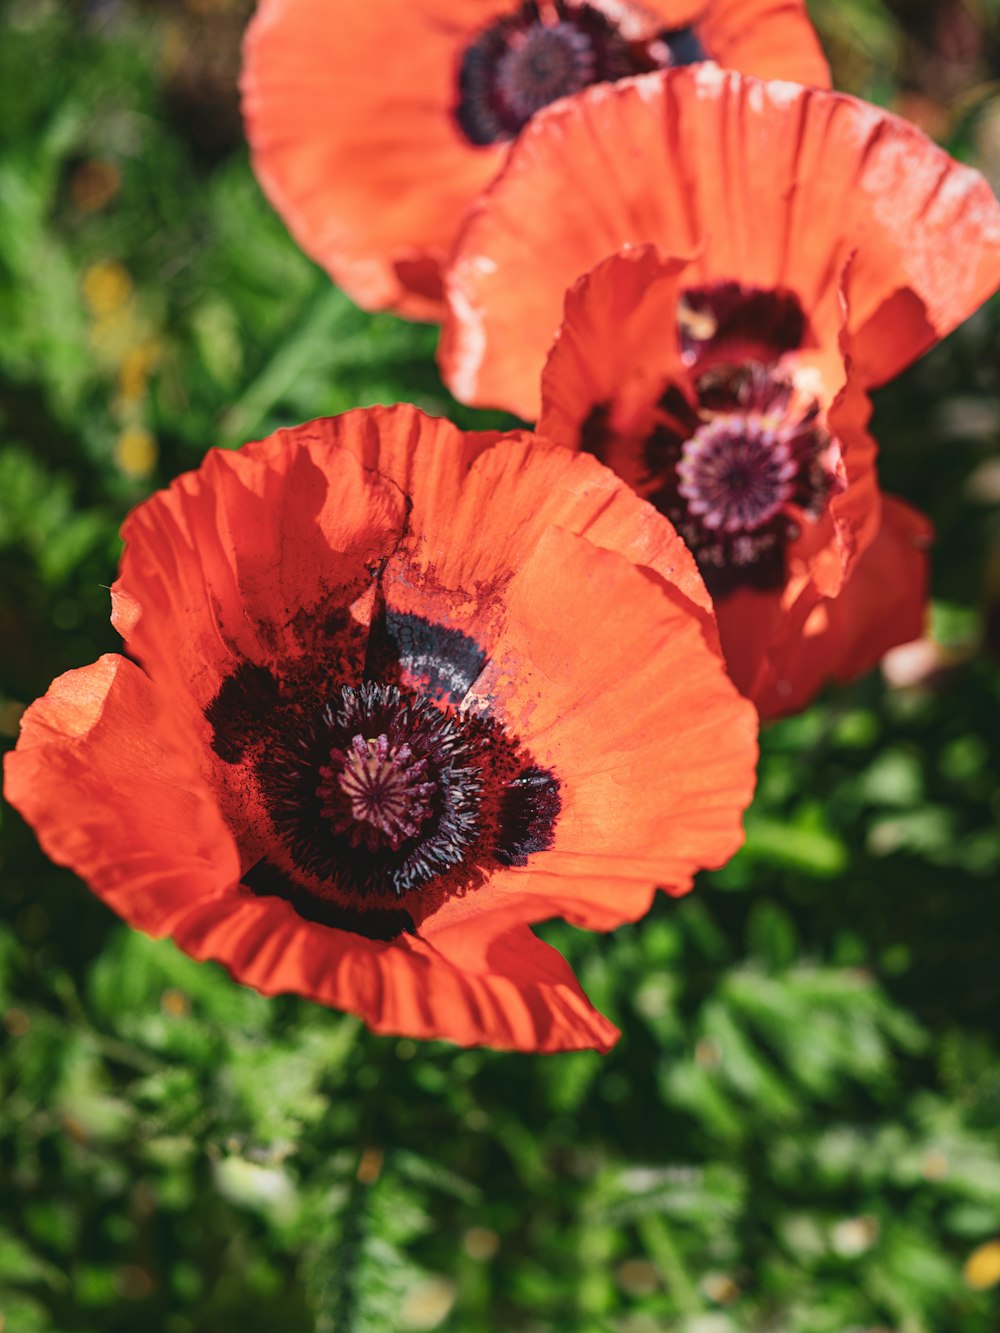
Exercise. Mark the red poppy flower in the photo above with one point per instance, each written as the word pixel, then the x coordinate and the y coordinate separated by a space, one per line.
pixel 402 691
pixel 763 185
pixel 756 450
pixel 373 126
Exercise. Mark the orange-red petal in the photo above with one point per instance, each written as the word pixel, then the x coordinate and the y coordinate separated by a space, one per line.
pixel 771 184
pixel 657 747
pixel 219 568
pixel 771 39
pixel 617 344
pixel 102 775
pixel 483 983
pixel 883 604
pixel 349 114
pixel 470 520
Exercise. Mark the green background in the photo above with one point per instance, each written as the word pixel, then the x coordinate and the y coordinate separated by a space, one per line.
pixel 798 1129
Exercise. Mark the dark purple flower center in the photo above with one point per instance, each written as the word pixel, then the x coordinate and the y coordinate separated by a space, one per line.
pixel 549 49
pixel 381 787
pixel 398 793
pixel 542 64
pixel 737 472
pixel 375 792
pixel 376 800
pixel 741 462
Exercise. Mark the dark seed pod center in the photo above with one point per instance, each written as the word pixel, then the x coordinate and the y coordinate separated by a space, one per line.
pixel 379 800
pixel 736 467
pixel 550 49
pixel 739 469
pixel 736 471
pixel 376 793
pixel 395 798
pixel 543 64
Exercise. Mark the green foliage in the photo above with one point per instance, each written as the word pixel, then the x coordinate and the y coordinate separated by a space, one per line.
pixel 798 1128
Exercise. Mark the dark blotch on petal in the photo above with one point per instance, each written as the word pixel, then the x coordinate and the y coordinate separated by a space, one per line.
pixel 729 322
pixel 249 695
pixel 685 48
pixel 595 430
pixel 376 923
pixel 528 814
pixel 447 661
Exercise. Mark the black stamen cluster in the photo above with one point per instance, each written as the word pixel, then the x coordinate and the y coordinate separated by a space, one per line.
pixel 480 802
pixel 290 778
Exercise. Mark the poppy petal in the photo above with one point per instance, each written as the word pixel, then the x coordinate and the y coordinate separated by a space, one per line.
pixel 473 985
pixel 767 182
pixel 533 1000
pixel 618 343
pixel 349 112
pixel 771 39
pixel 469 521
pixel 134 815
pixel 196 594
pixel 655 701
pixel 883 604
